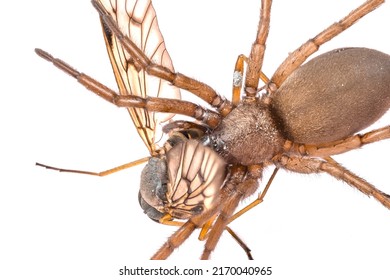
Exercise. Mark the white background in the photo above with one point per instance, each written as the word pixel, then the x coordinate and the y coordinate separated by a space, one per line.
pixel 69 226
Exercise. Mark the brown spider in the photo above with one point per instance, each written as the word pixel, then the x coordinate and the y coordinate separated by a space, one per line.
pixel 259 130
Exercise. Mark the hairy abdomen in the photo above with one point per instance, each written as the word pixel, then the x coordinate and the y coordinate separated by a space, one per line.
pixel 334 95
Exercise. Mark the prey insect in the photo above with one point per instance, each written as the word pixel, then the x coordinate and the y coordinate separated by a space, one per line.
pixel 297 120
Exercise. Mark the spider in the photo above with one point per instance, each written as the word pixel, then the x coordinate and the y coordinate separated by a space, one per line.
pixel 238 139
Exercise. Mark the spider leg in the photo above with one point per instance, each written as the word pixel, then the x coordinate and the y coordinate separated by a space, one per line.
pixel 330 166
pixel 205 230
pixel 257 201
pixel 179 80
pixel 238 77
pixel 297 57
pixel 338 147
pixel 246 209
pixel 169 221
pixel 244 184
pixel 182 234
pixel 181 125
pixel 155 104
pixel 255 61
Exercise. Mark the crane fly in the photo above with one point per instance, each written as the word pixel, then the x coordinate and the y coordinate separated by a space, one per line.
pixel 200 169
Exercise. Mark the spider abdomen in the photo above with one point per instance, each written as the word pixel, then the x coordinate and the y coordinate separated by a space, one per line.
pixel 334 95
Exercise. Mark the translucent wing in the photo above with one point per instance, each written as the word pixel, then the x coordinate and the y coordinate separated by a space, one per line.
pixel 137 20
pixel 195 175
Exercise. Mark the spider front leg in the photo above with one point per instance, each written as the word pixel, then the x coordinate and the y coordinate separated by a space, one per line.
pixel 314 165
pixel 256 57
pixel 168 220
pixel 155 104
pixel 238 77
pixel 179 80
pixel 182 234
pixel 245 183
pixel 297 57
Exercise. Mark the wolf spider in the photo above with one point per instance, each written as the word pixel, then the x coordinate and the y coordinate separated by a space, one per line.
pixel 284 123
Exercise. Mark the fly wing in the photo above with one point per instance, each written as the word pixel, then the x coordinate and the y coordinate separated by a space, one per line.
pixel 137 20
pixel 195 174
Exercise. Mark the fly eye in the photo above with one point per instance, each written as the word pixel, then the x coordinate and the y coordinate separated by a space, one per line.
pixel 161 191
pixel 149 210
pixel 153 187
